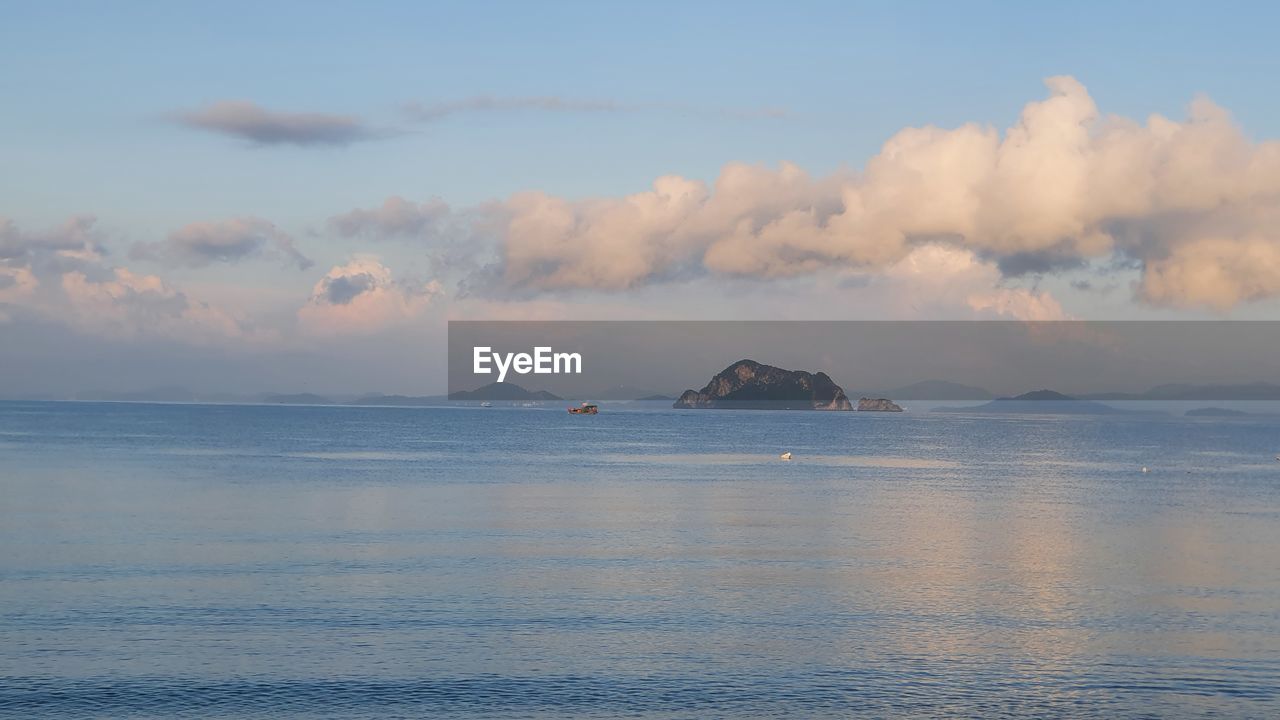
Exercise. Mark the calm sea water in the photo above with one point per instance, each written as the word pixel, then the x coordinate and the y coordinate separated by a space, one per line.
pixel 233 562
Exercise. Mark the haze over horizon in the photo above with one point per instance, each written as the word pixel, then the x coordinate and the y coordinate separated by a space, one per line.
pixel 904 360
pixel 299 198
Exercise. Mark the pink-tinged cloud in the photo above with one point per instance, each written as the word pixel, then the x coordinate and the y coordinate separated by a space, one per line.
pixel 126 305
pixel 943 281
pixel 1065 185
pixel 396 217
pixel 17 286
pixel 62 276
pixel 362 297
pixel 1217 272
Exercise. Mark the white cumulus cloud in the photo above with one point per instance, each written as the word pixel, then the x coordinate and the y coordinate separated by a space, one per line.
pixel 1185 201
pixel 362 297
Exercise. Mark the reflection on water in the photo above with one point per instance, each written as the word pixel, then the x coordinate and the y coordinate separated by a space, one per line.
pixel 756 459
pixel 364 562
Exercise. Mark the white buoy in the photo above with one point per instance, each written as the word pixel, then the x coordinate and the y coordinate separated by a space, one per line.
pixel 1144 469
pixel 785 456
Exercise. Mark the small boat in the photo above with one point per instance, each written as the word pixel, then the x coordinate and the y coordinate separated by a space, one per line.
pixel 785 456
pixel 584 409
pixel 486 403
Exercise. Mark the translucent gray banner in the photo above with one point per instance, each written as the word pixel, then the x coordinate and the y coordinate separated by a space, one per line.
pixel 945 361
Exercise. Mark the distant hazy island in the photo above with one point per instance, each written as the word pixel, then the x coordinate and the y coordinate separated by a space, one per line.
pixel 1209 393
pixel 1215 412
pixel 749 385
pixel 296 399
pixel 1041 402
pixel 939 390
pixel 503 391
pixel 380 400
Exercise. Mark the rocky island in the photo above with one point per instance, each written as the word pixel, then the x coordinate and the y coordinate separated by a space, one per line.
pixel 749 385
pixel 878 405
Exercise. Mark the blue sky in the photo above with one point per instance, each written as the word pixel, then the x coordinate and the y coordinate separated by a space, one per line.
pixel 87 86
pixel 94 95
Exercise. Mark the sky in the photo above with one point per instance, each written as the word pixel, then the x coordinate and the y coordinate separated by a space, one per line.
pixel 242 197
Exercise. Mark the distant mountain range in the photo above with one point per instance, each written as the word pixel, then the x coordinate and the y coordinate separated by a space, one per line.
pixel 494 391
pixel 626 392
pixel 1247 391
pixel 926 390
pixel 157 394
pixel 503 391
pixel 398 400
pixel 1042 402
pixel 944 390
pixel 297 399
pixel 1215 412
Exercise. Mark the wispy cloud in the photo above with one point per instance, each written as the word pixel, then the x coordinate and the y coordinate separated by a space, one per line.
pixel 432 112
pixel 248 121
pixel 395 217
pixel 76 235
pixel 202 243
pixel 245 120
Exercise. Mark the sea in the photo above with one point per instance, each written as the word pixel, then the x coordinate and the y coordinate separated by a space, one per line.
pixel 241 561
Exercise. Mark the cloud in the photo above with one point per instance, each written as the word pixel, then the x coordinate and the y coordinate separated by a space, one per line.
pixel 1040 262
pixel 1065 185
pixel 127 305
pixel 362 297
pixel 229 241
pixel 17 285
pixel 938 280
pixel 58 278
pixel 248 121
pixel 345 288
pixel 396 217
pixel 75 245
pixel 453 243
pixel 76 235
pixel 61 276
pixel 678 227
pixel 1215 272
pixel 430 112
